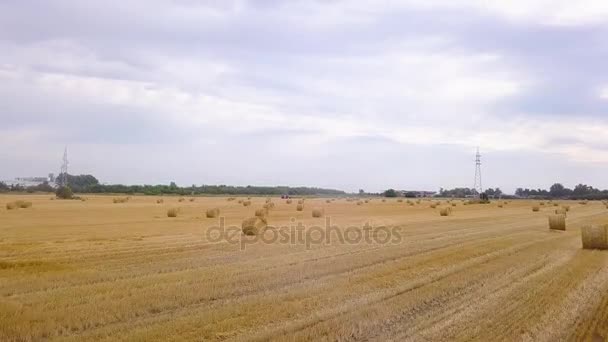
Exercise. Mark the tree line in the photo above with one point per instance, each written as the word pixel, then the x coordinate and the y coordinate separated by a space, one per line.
pixel 90 184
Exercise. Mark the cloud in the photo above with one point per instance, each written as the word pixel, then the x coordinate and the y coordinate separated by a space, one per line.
pixel 313 85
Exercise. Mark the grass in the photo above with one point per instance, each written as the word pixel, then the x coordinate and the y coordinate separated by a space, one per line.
pixel 101 272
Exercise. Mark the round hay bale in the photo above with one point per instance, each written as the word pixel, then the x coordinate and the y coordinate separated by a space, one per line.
pixel 172 212
pixel 261 212
pixel 400 200
pixel 317 212
pixel 181 199
pixel 327 201
pixel 595 237
pixel 301 201
pixel 536 208
pixel 383 200
pixel 433 206
pixel 445 211
pixel 561 212
pixel 566 208
pixel 254 226
pixel 240 201
pixel 246 203
pixel 300 207
pixel 213 213
pixel 500 205
pixel 288 201
pixel 268 206
pixel 359 203
pixel 557 222
pixel 11 206
pixel 453 204
pixel 160 201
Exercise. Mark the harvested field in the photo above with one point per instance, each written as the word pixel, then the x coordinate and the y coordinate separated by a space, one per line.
pixel 94 270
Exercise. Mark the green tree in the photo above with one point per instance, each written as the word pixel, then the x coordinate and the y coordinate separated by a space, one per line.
pixel 390 193
pixel 64 192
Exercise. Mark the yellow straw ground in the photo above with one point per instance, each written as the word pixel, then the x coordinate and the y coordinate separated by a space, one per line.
pixel 99 270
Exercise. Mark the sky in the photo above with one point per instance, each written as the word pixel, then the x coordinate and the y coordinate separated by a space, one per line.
pixel 357 94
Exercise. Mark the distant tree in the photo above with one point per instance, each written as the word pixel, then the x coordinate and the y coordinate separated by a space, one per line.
pixel 557 190
pixel 44 187
pixel 390 193
pixel 4 187
pixel 361 192
pixel 64 192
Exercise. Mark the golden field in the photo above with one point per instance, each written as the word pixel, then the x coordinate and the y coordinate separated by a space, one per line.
pixel 98 270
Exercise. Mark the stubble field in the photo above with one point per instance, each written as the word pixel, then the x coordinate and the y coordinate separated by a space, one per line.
pixel 98 270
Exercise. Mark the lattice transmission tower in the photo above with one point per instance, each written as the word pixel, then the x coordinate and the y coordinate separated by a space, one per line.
pixel 477 187
pixel 63 180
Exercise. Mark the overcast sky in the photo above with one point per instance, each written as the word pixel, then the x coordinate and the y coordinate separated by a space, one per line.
pixel 343 94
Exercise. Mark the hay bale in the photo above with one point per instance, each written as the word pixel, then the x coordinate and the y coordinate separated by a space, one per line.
pixel 542 203
pixel 327 201
pixel 181 199
pixel 23 204
pixel 535 208
pixel 301 201
pixel 595 237
pixel 557 222
pixel 359 203
pixel 213 213
pixel 160 201
pixel 400 200
pixel 583 202
pixel 433 206
pixel 288 201
pixel 192 200
pixel 120 200
pixel 317 212
pixel 229 199
pixel 172 212
pixel 268 206
pixel 566 208
pixel 261 212
pixel 11 206
pixel 300 207
pixel 500 205
pixel 447 211
pixel 453 204
pixel 246 203
pixel 561 212
pixel 254 226
pixel 240 201
pixel 383 200
pixel 556 204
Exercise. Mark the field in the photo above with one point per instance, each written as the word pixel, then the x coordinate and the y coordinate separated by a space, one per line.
pixel 98 270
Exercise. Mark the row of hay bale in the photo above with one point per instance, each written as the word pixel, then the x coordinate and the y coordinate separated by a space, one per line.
pixel 19 204
pixel 592 236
